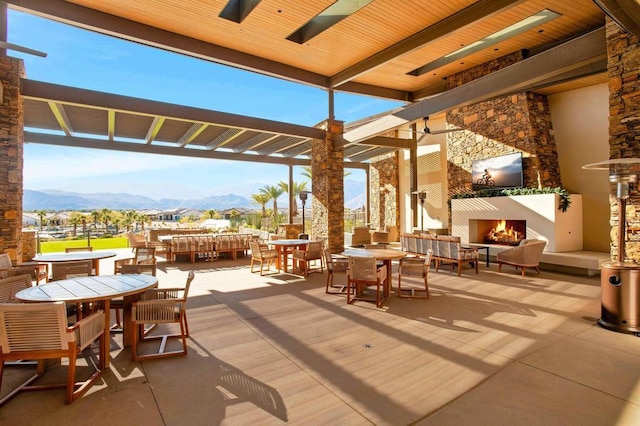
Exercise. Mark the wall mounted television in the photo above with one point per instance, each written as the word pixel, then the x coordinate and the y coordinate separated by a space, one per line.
pixel 500 172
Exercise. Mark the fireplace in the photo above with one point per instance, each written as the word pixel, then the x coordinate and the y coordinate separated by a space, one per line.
pixel 502 231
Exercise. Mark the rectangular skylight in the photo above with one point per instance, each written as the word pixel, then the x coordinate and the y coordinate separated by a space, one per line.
pixel 508 32
pixel 326 19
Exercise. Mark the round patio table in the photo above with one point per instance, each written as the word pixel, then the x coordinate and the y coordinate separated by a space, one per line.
pixel 385 255
pixel 94 256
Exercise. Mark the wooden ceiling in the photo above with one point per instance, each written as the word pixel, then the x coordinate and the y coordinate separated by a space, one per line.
pixel 371 51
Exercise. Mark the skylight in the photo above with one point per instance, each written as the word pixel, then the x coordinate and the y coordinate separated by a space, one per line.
pixel 329 17
pixel 508 32
pixel 237 10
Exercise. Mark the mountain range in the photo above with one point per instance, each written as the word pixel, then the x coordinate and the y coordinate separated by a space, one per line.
pixel 57 200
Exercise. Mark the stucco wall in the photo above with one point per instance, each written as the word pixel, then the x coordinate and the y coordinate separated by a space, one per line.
pixel 581 126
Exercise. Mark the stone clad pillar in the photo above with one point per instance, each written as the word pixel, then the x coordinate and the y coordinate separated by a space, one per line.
pixel 384 196
pixel 327 182
pixel 623 64
pixel 11 157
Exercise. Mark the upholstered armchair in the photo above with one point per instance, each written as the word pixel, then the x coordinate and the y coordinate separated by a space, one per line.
pixel 526 255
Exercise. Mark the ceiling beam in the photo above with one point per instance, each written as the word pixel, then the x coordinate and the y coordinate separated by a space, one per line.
pixel 100 100
pixel 575 54
pixel 467 16
pixel 79 142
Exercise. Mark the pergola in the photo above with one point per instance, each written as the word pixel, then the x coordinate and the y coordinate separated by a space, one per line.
pixel 394 49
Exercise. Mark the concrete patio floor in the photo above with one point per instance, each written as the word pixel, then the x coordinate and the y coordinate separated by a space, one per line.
pixel 485 349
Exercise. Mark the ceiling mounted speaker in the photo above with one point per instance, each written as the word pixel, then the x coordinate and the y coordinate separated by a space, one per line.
pixel 625 13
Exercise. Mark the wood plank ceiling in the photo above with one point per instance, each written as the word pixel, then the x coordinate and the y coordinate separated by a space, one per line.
pixel 372 49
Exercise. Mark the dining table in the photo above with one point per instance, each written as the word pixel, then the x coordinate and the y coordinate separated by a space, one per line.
pixel 100 289
pixel 284 247
pixel 93 256
pixel 383 254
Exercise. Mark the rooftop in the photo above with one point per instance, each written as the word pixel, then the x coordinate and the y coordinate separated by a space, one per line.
pixel 484 349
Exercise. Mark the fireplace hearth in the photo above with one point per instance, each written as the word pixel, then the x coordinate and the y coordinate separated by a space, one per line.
pixel 503 231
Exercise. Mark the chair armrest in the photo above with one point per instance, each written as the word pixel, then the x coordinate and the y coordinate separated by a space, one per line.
pixel 88 329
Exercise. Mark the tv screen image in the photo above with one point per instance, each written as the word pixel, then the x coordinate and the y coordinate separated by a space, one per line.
pixel 497 172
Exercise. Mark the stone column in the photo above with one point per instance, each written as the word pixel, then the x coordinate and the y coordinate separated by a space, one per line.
pixel 327 182
pixel 11 157
pixel 384 197
pixel 623 51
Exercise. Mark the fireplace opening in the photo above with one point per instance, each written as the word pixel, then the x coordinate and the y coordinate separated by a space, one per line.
pixel 503 231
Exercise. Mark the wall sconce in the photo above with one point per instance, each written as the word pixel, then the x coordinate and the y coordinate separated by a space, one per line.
pixel 303 197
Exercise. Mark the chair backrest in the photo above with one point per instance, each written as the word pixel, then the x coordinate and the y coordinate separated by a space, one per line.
pixel 64 270
pixel 363 269
pixel 181 244
pixel 29 327
pixel 142 268
pixel 77 249
pixel 11 285
pixel 255 248
pixel 145 256
pixel 314 250
pixel 328 259
pixel 136 240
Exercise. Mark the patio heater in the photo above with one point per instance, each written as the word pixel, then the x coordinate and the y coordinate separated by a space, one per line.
pixel 620 280
pixel 303 197
pixel 422 195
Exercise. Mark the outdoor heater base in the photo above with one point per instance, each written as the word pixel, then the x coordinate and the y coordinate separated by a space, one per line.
pixel 620 284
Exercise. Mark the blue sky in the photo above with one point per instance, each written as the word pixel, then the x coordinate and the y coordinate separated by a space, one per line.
pixel 88 60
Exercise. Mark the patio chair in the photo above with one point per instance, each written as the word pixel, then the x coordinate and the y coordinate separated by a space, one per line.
pixel 341 263
pixel 364 272
pixel 204 246
pixel 11 285
pixel 142 256
pixel 39 331
pixel 311 254
pixel 181 245
pixel 136 240
pixel 262 255
pixel 117 303
pixel 37 271
pixel 161 306
pixel 414 267
pixel 226 244
pixel 77 249
pixel 525 255
pixel 71 269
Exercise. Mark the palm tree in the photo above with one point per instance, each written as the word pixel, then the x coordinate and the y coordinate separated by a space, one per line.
pixel 41 214
pixel 96 217
pixel 273 192
pixel 262 200
pixel 297 188
pixel 105 215
pixel 75 219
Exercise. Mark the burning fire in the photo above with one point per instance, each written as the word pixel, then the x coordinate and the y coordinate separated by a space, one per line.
pixel 501 233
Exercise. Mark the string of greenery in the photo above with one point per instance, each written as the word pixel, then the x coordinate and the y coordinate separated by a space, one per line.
pixel 565 197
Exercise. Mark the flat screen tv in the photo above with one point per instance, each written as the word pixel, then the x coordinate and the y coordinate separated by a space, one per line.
pixel 497 172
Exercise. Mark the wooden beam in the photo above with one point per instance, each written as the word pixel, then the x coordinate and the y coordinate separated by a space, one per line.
pixel 462 19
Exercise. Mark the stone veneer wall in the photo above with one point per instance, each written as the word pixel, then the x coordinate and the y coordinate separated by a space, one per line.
pixel 384 196
pixel 520 122
pixel 11 157
pixel 623 51
pixel 327 182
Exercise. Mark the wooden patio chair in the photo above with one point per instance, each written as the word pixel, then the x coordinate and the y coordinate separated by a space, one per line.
pixel 363 272
pixel 341 263
pixel 262 254
pixel 77 249
pixel 11 285
pixel 313 252
pixel 71 269
pixel 37 271
pixel 414 267
pixel 161 306
pixel 182 245
pixel 117 303
pixel 39 331
pixel 142 256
